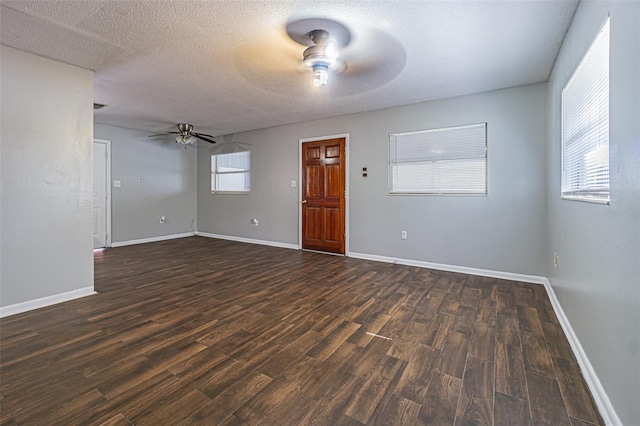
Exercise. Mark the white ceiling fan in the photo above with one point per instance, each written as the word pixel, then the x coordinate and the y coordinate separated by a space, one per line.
pixel 324 38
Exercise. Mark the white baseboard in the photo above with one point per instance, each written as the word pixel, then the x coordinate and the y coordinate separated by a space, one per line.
pixel 152 239
pixel 452 268
pixel 249 240
pixel 42 302
pixel 595 386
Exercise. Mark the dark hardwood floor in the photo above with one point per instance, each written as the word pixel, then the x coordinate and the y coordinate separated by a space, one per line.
pixel 204 331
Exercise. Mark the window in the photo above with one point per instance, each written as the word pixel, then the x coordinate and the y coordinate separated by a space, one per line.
pixel 585 125
pixel 440 161
pixel 230 172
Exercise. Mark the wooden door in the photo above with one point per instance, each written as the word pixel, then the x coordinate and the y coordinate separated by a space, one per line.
pixel 323 195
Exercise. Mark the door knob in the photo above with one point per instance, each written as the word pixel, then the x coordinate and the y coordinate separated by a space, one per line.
pixel 303 202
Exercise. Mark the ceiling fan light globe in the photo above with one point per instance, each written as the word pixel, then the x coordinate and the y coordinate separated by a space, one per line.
pixel 185 139
pixel 320 75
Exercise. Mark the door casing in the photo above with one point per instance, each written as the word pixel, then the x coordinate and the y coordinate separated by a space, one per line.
pixel 346 186
pixel 107 189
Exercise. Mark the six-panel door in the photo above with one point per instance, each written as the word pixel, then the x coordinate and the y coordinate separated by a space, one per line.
pixel 323 195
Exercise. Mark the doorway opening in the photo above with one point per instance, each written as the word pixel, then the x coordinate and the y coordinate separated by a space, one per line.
pixel 101 193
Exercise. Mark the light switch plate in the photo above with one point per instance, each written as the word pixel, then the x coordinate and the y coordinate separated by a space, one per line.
pixel 117 184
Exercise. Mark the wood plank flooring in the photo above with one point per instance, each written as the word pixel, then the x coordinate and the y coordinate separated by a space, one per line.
pixel 204 331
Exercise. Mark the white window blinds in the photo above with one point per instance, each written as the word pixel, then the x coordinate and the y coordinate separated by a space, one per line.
pixel 439 161
pixel 585 125
pixel 231 172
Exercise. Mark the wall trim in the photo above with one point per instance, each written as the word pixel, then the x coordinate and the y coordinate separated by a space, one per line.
pixel 152 239
pixel 600 396
pixel 451 268
pixel 42 302
pixel 248 240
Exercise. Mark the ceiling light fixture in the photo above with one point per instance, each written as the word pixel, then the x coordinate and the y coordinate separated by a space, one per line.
pixel 320 57
pixel 185 139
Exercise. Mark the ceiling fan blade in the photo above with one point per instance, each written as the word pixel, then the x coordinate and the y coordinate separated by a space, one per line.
pixel 202 134
pixel 164 134
pixel 199 136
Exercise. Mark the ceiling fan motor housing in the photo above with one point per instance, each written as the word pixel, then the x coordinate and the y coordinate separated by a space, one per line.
pixel 185 128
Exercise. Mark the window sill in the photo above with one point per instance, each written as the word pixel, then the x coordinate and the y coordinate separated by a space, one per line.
pixel 442 194
pixel 586 200
pixel 231 192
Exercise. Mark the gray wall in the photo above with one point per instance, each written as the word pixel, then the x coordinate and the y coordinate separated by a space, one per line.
pixel 46 174
pixel 169 188
pixel 503 231
pixel 598 279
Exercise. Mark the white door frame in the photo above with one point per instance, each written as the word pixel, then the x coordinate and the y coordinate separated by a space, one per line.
pixel 108 189
pixel 346 185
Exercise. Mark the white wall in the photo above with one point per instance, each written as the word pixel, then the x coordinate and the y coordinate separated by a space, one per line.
pixel 502 232
pixel 46 177
pixel 598 279
pixel 158 178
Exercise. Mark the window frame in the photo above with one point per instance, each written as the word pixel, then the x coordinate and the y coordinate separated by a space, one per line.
pixel 440 193
pixel 215 173
pixel 586 198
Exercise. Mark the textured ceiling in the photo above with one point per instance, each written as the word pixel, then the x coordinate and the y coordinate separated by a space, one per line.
pixel 227 66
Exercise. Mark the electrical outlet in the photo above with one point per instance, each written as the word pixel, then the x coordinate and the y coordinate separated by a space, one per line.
pixel 163 219
pixel 255 221
pixel 293 184
pixel 117 184
pixel 403 235
pixel 556 260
